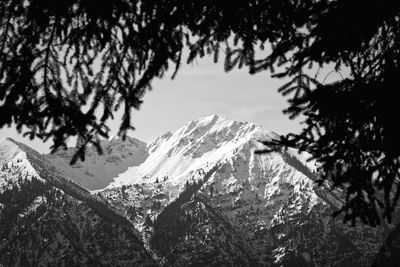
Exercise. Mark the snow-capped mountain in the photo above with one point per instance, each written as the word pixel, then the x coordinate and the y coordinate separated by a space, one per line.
pixel 198 145
pixel 98 171
pixel 197 197
pixel 269 204
pixel 12 157
pixel 47 220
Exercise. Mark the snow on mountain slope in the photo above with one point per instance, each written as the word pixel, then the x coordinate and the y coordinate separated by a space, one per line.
pixel 201 196
pixel 48 220
pixel 195 146
pixel 271 198
pixel 15 159
pixel 97 171
pixel 203 143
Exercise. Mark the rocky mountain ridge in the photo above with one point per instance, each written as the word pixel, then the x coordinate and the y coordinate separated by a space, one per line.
pixel 47 220
pixel 269 203
pixel 197 197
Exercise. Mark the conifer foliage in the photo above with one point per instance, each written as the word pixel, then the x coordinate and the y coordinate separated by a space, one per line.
pixel 349 125
pixel 67 66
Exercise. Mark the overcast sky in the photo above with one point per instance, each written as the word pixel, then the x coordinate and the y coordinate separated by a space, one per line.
pixel 199 90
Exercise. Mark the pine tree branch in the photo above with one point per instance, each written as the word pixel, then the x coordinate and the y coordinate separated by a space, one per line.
pixel 46 61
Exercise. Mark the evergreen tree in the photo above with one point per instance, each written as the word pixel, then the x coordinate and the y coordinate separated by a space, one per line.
pixel 50 84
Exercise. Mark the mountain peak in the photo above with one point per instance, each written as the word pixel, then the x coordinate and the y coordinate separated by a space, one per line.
pixel 212 119
pixel 15 159
pixel 213 124
pixel 211 139
pixel 11 149
pixel 8 149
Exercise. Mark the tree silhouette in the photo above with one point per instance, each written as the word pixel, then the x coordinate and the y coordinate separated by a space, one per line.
pixel 67 66
pixel 349 128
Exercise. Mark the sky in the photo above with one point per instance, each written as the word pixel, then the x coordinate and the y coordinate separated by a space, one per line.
pixel 200 89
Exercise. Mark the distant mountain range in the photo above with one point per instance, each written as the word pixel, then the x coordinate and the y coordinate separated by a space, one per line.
pixel 196 197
